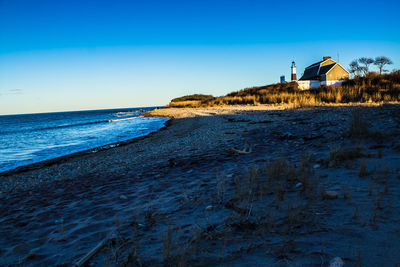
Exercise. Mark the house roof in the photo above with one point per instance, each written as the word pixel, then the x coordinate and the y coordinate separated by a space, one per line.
pixel 314 71
pixel 310 73
pixel 326 68
pixel 315 64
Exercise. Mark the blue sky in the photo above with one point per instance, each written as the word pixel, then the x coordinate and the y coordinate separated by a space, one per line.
pixel 75 55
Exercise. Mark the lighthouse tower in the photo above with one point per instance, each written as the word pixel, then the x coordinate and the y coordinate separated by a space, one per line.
pixel 294 78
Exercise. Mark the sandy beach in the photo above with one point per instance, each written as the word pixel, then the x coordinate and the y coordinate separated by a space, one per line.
pixel 229 186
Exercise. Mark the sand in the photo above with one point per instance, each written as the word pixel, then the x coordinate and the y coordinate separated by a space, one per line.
pixel 181 196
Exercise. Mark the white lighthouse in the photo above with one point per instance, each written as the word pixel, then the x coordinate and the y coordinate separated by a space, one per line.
pixel 294 78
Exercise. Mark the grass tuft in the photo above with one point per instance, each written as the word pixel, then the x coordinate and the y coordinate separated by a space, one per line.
pixel 363 169
pixel 340 154
pixel 358 126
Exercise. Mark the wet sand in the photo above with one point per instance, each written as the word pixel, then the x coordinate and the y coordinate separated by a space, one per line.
pixel 183 196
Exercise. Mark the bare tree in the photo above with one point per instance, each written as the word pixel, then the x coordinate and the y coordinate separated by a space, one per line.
pixel 380 62
pixel 366 62
pixel 355 68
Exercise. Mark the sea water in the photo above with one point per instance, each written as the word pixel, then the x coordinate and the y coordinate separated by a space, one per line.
pixel 30 138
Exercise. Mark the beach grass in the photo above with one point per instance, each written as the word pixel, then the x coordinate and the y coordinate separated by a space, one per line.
pixel 373 88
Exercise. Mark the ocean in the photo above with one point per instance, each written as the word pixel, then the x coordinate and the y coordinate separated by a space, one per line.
pixel 30 138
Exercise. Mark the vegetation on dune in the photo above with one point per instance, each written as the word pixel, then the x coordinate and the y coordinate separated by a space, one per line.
pixel 371 87
pixel 190 100
pixel 193 98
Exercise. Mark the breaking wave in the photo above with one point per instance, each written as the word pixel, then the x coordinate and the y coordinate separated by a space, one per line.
pixel 68 125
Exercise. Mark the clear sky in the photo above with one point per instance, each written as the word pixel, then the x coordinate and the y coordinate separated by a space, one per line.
pixel 61 55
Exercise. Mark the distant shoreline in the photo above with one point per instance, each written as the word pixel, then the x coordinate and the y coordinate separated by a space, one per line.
pixel 190 112
pixel 83 110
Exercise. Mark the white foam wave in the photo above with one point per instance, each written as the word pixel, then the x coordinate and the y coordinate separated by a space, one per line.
pixel 124 119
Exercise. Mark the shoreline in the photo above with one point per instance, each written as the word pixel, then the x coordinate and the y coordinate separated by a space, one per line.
pixel 168 114
pixel 64 158
pixel 157 112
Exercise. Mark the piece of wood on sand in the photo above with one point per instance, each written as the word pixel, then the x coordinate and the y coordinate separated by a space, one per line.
pixel 91 253
pixel 246 150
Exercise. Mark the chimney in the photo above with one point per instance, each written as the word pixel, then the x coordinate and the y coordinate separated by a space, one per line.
pixel 293 76
pixel 325 58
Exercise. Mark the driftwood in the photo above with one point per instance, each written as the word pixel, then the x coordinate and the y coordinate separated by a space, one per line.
pixel 91 253
pixel 246 150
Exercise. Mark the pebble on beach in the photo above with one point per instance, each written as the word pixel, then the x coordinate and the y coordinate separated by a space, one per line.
pixel 331 195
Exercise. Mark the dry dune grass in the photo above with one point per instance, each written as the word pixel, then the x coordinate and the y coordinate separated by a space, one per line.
pixel 187 103
pixel 372 88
